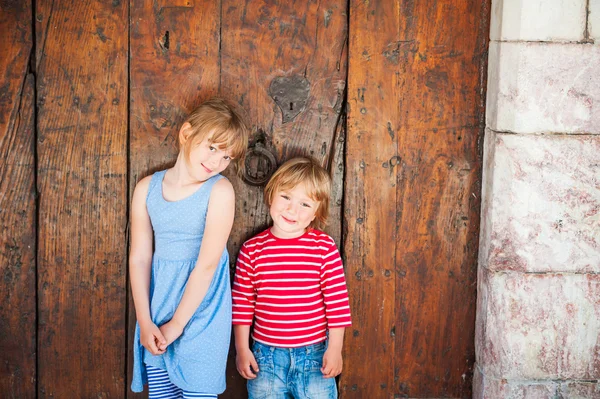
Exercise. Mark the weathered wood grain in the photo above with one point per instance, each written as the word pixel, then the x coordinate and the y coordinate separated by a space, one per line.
pixel 442 60
pixel 416 94
pixel 17 204
pixel 174 67
pixel 416 88
pixel 284 63
pixel 370 201
pixel 82 95
pixel 337 169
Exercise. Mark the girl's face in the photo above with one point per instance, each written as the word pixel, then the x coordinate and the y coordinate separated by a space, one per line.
pixel 292 212
pixel 206 160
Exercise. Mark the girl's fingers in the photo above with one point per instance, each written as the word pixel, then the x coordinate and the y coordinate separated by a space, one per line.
pixel 159 336
pixel 152 347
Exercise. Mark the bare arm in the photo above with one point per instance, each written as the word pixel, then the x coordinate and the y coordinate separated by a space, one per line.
pixel 336 338
pixel 140 264
pixel 219 220
pixel 332 359
pixel 244 359
pixel 242 337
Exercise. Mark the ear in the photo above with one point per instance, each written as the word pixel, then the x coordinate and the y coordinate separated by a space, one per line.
pixel 184 133
pixel 316 211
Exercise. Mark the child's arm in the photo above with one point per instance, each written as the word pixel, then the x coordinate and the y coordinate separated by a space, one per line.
pixel 244 359
pixel 332 359
pixel 337 308
pixel 140 264
pixel 244 300
pixel 219 220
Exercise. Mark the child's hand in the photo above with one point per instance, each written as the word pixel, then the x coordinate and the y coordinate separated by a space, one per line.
pixel 244 360
pixel 171 330
pixel 151 338
pixel 332 363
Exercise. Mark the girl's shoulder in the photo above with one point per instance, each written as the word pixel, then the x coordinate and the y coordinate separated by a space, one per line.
pixel 146 181
pixel 149 181
pixel 142 186
pixel 222 189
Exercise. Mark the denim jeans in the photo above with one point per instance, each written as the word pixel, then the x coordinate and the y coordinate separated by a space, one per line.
pixel 287 373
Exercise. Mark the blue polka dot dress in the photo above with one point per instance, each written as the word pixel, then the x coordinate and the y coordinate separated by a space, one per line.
pixel 196 360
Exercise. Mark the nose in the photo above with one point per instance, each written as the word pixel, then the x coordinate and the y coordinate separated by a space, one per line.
pixel 291 208
pixel 214 161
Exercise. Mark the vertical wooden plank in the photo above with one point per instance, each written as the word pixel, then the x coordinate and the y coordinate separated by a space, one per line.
pixel 82 181
pixel 17 204
pixel 336 167
pixel 285 64
pixel 370 200
pixel 441 55
pixel 174 67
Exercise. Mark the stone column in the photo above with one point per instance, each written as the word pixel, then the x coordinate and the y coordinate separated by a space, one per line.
pixel 538 315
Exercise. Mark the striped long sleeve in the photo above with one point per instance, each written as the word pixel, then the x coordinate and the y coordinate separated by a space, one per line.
pixel 333 286
pixel 243 292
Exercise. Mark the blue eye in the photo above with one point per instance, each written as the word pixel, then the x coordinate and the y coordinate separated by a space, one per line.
pixel 213 149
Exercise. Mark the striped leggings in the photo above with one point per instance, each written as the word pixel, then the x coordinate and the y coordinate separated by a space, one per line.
pixel 160 387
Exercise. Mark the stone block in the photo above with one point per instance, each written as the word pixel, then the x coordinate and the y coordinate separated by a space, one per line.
pixel 540 203
pixel 543 88
pixel 579 390
pixel 539 326
pixel 485 387
pixel 594 21
pixel 538 20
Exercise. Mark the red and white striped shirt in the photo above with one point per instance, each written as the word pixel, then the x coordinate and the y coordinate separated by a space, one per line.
pixel 293 288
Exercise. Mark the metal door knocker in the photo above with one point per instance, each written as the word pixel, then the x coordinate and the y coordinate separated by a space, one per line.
pixel 260 165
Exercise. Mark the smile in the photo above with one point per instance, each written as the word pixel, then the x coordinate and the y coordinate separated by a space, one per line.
pixel 205 168
pixel 288 220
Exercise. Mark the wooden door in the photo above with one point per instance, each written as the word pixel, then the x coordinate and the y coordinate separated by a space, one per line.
pixel 388 95
pixel 416 93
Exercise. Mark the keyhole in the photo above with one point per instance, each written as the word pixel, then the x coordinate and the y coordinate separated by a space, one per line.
pixel 291 106
pixel 165 41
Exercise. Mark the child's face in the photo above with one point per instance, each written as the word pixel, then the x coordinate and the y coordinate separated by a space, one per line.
pixel 207 160
pixel 292 212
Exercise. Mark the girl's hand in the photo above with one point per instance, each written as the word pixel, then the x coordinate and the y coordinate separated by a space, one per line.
pixel 332 363
pixel 152 338
pixel 245 363
pixel 171 331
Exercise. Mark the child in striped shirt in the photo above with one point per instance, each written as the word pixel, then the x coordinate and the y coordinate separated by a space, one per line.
pixel 290 282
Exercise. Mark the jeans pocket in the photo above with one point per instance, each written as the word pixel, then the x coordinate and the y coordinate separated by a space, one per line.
pixel 318 387
pixel 262 386
pixel 315 385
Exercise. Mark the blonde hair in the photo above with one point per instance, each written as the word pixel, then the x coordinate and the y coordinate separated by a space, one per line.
pixel 315 178
pixel 225 126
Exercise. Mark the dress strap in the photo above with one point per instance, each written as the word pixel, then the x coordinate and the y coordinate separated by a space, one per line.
pixel 211 182
pixel 156 180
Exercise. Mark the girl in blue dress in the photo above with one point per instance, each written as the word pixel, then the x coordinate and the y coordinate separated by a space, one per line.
pixel 181 288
